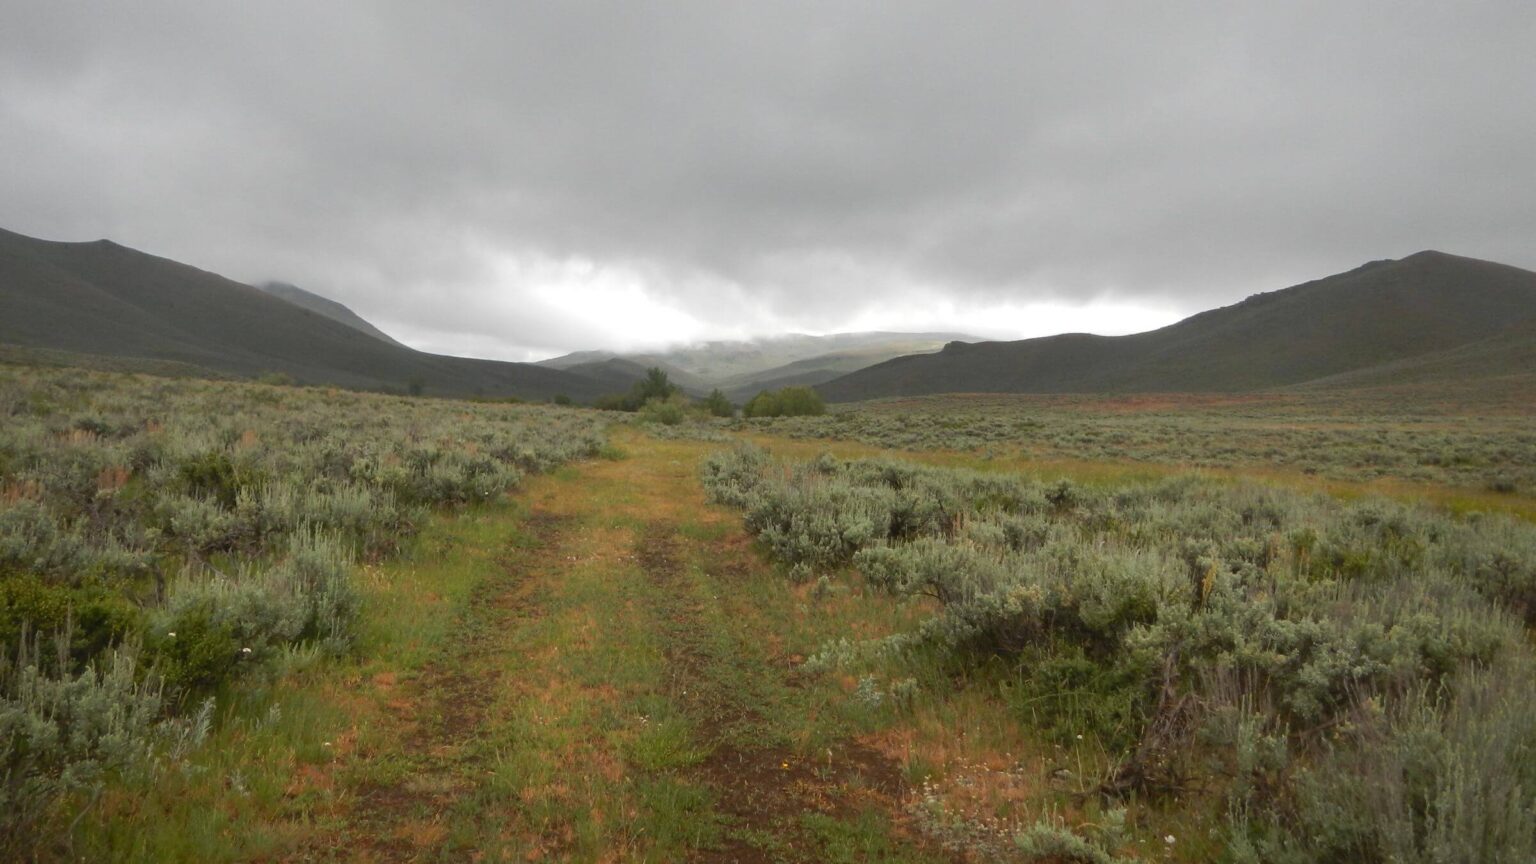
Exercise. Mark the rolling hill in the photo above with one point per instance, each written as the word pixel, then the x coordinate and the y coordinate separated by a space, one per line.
pixel 742 368
pixel 1509 355
pixel 1428 319
pixel 1381 313
pixel 104 299
pixel 618 375
pixel 325 306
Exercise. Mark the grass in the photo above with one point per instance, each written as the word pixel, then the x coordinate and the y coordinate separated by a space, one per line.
pixel 539 688
pixel 606 667
pixel 1111 472
pixel 268 777
pixel 1482 453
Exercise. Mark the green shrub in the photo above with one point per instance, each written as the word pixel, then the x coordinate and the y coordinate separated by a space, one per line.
pixel 668 411
pixel 785 402
pixel 94 617
pixel 1066 695
pixel 193 645
pixel 215 475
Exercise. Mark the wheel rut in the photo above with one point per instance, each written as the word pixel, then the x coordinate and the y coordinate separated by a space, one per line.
pixel 445 710
pixel 762 788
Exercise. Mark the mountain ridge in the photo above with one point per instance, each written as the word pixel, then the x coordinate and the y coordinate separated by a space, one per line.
pixel 327 307
pixel 1380 312
pixel 102 298
pixel 1430 317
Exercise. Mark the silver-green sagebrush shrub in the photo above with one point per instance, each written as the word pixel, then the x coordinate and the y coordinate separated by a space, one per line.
pixel 1341 661
pixel 217 525
pixel 215 626
pixel 64 733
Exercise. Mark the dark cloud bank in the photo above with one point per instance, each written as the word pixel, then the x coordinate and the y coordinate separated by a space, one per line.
pixel 517 179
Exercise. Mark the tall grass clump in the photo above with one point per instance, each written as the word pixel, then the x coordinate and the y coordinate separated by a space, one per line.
pixel 1345 674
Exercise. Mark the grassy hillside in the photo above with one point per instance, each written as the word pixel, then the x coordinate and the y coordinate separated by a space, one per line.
pixel 47 359
pixel 104 299
pixel 1383 312
pixel 1509 358
pixel 327 307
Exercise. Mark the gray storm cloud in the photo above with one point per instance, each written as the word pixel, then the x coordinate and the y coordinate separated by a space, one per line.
pixel 449 169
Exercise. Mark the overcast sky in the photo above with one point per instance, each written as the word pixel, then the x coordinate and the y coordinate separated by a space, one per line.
pixel 517 180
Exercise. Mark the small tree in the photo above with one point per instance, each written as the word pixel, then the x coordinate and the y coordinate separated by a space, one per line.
pixel 654 385
pixel 717 405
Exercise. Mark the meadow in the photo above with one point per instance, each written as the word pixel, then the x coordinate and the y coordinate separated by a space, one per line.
pixel 252 622
pixel 1479 445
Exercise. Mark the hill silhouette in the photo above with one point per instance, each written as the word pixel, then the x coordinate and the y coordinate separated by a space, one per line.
pixel 1381 313
pixel 743 368
pixel 104 299
pixel 327 307
pixel 618 375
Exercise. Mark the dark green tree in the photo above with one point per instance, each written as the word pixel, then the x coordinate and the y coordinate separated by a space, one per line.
pixel 717 405
pixel 654 385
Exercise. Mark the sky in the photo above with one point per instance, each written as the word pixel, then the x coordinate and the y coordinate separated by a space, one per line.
pixel 519 180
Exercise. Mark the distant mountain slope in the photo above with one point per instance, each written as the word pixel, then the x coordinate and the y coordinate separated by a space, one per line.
pixel 821 368
pixel 615 374
pixel 106 363
pixel 102 298
pixel 746 366
pixel 325 306
pixel 1510 354
pixel 1382 312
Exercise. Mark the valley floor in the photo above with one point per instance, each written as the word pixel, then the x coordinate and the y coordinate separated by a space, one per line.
pixel 605 668
pixel 616 686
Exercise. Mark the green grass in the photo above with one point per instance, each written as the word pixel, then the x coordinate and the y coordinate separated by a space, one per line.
pixel 582 671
